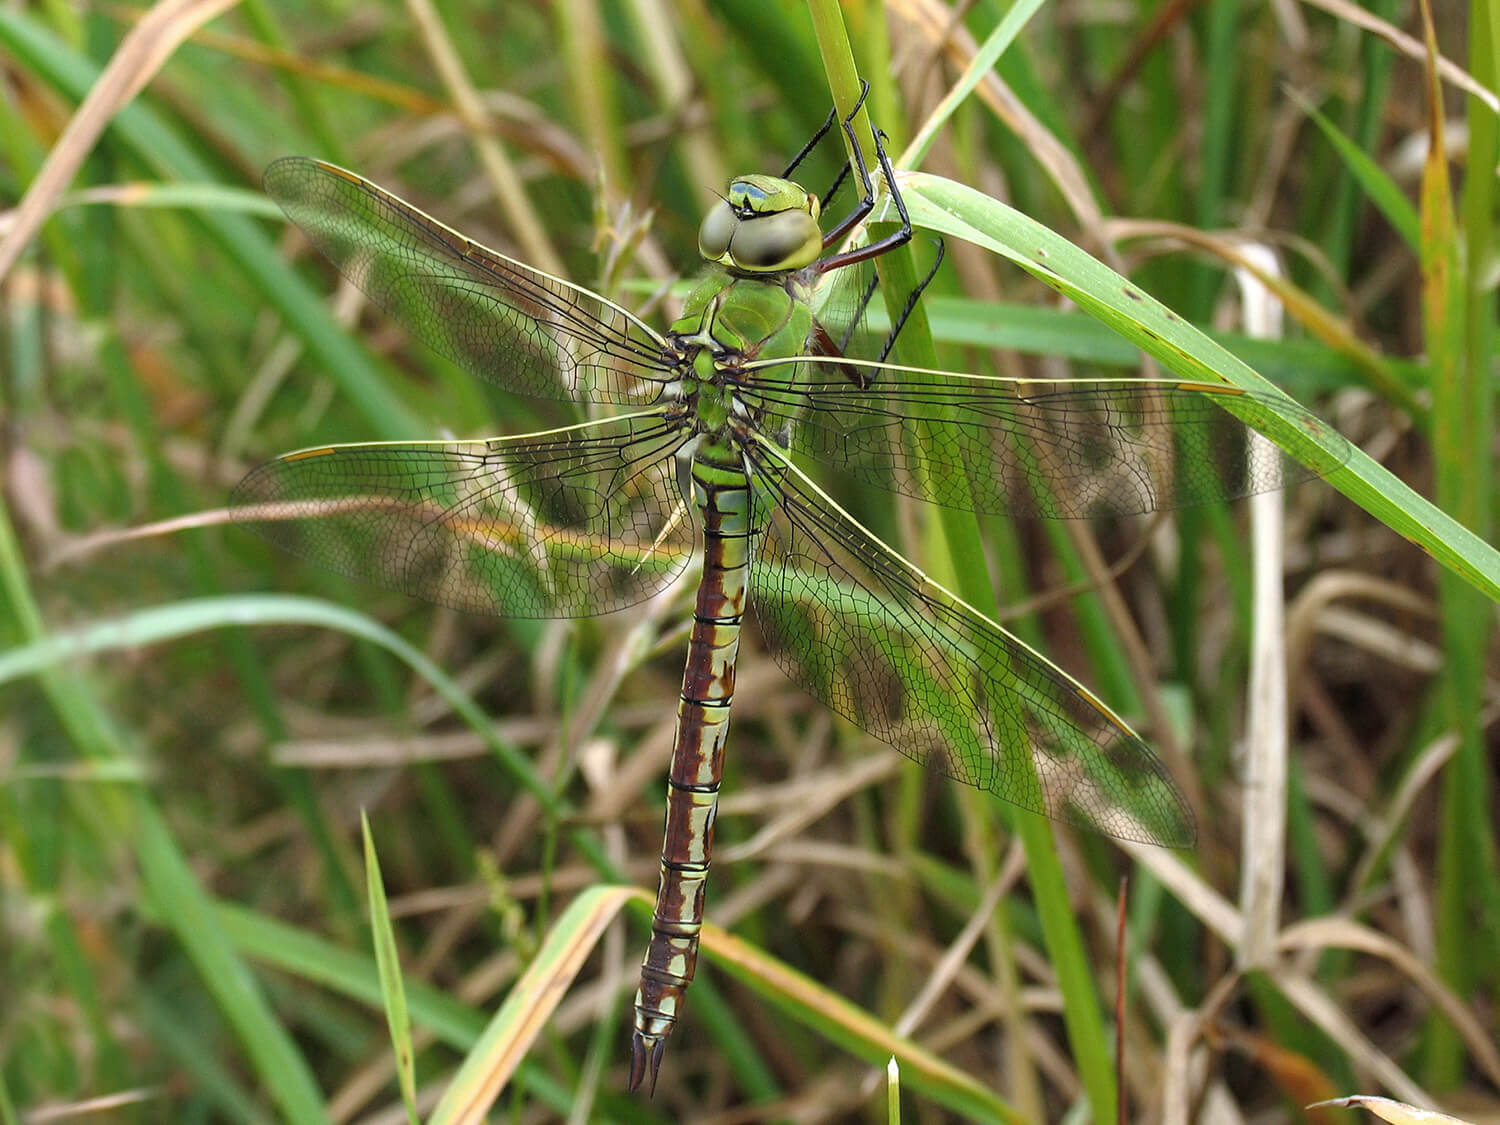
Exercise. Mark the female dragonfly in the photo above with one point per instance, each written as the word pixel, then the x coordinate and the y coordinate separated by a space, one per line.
pixel 699 441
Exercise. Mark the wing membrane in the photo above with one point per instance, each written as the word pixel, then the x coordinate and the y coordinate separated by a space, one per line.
pixel 567 523
pixel 1068 450
pixel 865 632
pixel 500 319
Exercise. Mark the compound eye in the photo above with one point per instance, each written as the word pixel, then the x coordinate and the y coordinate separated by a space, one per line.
pixel 717 229
pixel 784 240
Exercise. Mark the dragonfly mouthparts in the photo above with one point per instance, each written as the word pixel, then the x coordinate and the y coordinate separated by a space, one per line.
pixel 646 1051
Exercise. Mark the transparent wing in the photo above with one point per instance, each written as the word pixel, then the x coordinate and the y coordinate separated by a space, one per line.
pixel 844 303
pixel 498 318
pixel 865 632
pixel 851 312
pixel 566 523
pixel 1065 450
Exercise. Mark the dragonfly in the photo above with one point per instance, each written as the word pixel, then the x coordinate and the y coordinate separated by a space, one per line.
pixel 695 442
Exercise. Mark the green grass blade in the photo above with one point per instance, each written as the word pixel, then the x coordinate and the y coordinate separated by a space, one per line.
pixel 1468 896
pixel 960 537
pixel 1383 191
pixel 388 963
pixel 856 1031
pixel 984 60
pixel 962 212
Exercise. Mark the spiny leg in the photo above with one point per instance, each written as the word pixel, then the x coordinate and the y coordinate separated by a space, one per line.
pixel 823 342
pixel 844 170
pixel 911 301
pixel 867 204
pixel 806 149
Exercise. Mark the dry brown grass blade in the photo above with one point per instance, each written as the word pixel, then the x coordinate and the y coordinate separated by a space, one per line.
pixel 1398 1113
pixel 1195 893
pixel 934 24
pixel 1305 613
pixel 1333 1020
pixel 530 1005
pixel 79 548
pixel 144 51
pixel 1343 933
pixel 1409 46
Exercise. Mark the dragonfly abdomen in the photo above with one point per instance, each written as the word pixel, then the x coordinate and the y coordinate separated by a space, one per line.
pixel 721 493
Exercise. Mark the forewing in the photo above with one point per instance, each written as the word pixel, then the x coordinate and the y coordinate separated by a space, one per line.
pixel 567 523
pixel 865 632
pixel 498 318
pixel 1063 450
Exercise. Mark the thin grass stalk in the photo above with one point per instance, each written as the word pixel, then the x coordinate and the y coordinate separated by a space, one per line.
pixel 515 204
pixel 896 274
pixel 1459 310
pixel 1263 832
pixel 590 78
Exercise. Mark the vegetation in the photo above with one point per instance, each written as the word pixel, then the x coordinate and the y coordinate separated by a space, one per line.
pixel 191 724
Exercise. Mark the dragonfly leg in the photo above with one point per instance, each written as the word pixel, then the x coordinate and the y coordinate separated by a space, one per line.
pixel 867 201
pixel 838 181
pixel 911 301
pixel 809 146
pixel 899 237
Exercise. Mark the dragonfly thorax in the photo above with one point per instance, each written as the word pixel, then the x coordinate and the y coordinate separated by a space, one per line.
pixel 762 225
pixel 729 321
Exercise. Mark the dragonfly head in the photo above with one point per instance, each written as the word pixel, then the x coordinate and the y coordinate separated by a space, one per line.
pixel 762 225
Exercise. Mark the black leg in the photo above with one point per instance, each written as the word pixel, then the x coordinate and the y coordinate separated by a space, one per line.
pixel 838 181
pixel 809 146
pixel 911 301
pixel 866 205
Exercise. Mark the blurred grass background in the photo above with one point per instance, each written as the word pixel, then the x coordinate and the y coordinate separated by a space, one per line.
pixel 183 922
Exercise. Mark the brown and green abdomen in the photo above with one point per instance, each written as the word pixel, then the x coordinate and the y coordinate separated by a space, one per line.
pixel 697 768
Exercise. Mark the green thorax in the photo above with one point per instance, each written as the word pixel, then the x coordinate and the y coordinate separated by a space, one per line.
pixel 749 317
pixel 740 319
